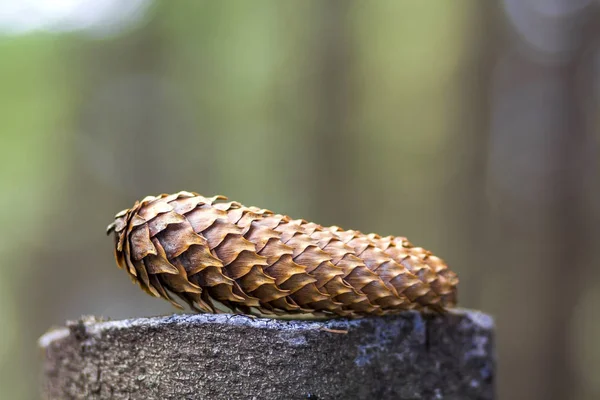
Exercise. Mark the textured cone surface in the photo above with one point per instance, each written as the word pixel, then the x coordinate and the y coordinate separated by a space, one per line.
pixel 223 256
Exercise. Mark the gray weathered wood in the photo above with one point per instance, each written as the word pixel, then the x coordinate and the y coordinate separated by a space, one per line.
pixel 408 356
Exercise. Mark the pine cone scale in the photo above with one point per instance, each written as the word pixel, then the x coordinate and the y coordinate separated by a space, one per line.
pixel 215 254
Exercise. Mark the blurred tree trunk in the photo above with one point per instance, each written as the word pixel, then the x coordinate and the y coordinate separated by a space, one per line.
pixel 575 154
pixel 541 155
pixel 467 211
pixel 334 145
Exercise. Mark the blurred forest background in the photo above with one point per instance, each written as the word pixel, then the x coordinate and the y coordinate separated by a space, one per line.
pixel 470 126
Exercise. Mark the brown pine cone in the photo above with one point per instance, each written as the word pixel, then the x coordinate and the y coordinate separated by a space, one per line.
pixel 222 256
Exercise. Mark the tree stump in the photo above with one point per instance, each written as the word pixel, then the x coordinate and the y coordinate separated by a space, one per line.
pixel 208 356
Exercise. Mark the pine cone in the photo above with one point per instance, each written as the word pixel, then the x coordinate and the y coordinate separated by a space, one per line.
pixel 222 256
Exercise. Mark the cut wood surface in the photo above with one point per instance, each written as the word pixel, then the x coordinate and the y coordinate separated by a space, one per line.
pixel 208 356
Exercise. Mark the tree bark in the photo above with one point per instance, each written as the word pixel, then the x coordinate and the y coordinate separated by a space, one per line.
pixel 202 356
